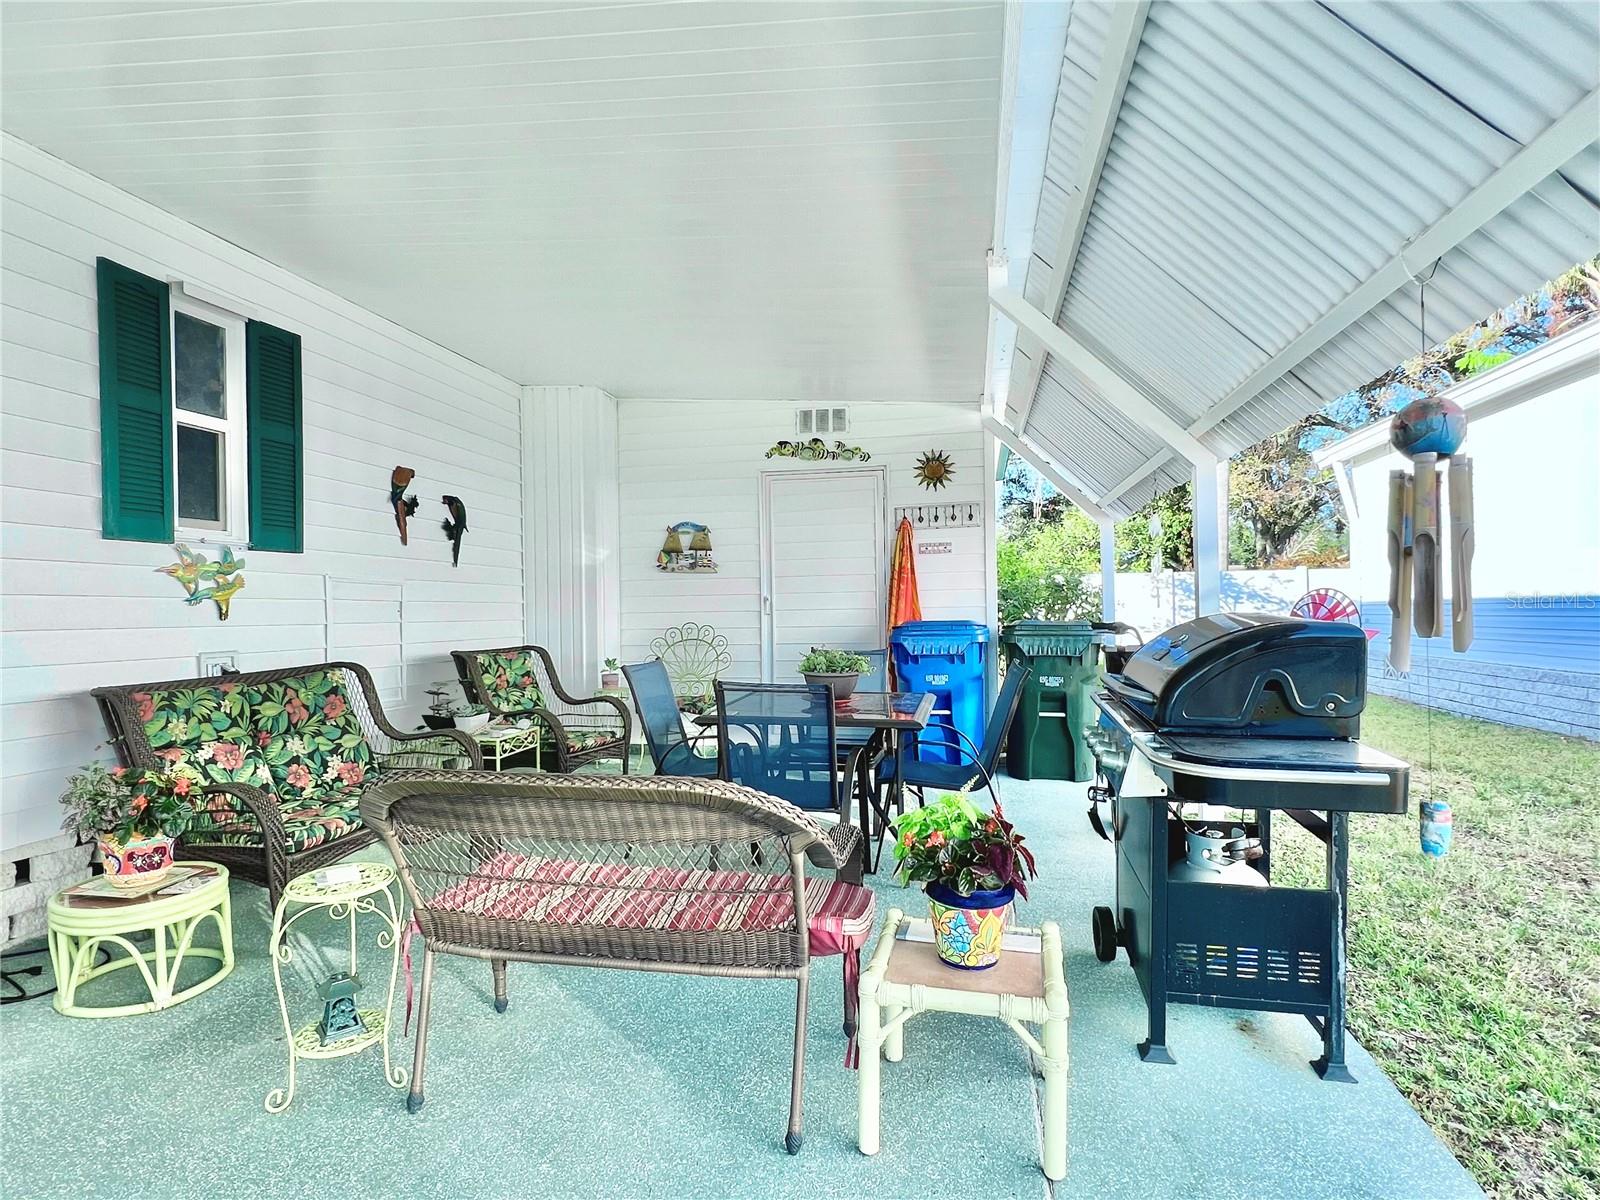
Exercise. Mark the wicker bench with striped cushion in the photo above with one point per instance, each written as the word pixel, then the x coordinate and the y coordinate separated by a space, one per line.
pixel 657 874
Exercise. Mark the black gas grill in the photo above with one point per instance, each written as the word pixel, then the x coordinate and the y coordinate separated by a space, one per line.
pixel 1256 714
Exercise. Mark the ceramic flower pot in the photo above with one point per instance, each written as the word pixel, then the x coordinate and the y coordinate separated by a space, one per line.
pixel 967 929
pixel 138 861
pixel 610 679
pixel 842 685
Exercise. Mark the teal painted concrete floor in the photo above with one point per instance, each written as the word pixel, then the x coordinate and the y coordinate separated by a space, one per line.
pixel 610 1083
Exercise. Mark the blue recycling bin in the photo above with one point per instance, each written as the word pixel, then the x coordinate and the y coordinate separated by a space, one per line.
pixel 949 659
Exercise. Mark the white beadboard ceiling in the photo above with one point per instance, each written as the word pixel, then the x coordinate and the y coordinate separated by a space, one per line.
pixel 1266 164
pixel 721 200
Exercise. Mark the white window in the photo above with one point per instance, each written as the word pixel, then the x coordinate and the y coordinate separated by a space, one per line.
pixel 208 413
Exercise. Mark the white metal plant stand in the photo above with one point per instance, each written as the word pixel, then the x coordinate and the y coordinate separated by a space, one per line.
pixel 1026 986
pixel 343 902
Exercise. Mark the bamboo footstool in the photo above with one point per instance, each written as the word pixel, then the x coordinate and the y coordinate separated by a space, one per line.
pixel 905 977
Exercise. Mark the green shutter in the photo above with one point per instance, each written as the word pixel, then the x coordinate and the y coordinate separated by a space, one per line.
pixel 272 385
pixel 136 476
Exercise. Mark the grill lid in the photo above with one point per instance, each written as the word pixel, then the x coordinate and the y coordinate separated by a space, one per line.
pixel 1254 672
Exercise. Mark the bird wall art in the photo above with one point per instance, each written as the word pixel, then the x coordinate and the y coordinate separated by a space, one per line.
pixel 404 506
pixel 455 527
pixel 205 580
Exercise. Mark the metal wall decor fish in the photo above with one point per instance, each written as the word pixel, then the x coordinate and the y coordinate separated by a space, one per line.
pixel 817 450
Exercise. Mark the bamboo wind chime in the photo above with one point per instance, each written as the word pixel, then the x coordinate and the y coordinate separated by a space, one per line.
pixel 1429 431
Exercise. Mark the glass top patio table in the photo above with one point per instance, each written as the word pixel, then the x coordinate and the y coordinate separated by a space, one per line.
pixel 867 710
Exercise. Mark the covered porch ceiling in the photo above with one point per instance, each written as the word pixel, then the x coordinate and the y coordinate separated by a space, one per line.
pixel 1237 202
pixel 719 200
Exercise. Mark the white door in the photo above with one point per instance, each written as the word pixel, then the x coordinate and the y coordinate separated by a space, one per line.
pixel 825 564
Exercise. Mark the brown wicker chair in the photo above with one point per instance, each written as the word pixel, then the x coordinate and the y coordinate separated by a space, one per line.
pixel 693 876
pixel 521 681
pixel 286 754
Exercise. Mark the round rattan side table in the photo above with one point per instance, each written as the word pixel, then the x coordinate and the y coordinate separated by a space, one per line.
pixel 372 892
pixel 80 924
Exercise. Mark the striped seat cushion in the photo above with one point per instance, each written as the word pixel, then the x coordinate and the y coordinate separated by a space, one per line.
pixel 554 891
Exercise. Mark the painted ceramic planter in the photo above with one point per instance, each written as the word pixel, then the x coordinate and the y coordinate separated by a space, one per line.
pixel 842 685
pixel 967 930
pixel 137 862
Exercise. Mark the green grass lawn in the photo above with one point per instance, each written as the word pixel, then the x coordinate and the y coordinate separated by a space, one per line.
pixel 1475 979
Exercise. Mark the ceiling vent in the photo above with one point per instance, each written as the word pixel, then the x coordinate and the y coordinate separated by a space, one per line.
pixel 815 422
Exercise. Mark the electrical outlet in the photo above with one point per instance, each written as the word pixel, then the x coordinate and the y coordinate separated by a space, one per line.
pixel 219 662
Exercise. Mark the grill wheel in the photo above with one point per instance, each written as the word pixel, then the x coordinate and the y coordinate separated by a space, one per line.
pixel 1105 934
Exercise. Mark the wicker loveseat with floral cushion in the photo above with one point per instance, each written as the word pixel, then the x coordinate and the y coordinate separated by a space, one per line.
pixel 287 755
pixel 517 682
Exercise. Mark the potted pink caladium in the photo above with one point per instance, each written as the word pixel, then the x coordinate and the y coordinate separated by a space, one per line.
pixel 134 815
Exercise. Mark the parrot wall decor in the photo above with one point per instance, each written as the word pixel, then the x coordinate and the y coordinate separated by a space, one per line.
pixel 455 527
pixel 404 506
pixel 205 580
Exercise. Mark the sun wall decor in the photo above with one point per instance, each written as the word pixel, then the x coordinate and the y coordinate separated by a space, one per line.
pixel 935 470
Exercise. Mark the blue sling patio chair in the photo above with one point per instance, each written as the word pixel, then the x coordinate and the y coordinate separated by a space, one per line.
pixel 671 749
pixel 979 762
pixel 782 739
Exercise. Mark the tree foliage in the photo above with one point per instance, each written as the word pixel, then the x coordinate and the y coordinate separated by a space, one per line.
pixel 1281 497
pixel 1136 546
pixel 1041 566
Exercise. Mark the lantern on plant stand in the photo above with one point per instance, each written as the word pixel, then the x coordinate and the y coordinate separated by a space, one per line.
pixel 341 1020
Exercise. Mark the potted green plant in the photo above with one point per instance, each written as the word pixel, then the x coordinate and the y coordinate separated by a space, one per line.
pixel 972 864
pixel 611 677
pixel 841 670
pixel 135 816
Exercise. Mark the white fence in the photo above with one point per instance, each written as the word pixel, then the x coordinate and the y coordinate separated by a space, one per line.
pixel 1152 603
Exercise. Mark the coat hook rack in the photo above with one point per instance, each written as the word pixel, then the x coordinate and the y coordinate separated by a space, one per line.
pixel 940 516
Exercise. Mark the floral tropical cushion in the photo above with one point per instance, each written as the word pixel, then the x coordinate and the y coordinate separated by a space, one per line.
pixel 311 740
pixel 207 728
pixel 510 680
pixel 307 826
pixel 582 740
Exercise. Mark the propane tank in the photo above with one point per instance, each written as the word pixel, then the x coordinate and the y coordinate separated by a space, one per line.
pixel 1217 854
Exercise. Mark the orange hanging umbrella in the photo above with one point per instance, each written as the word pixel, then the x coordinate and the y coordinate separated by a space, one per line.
pixel 903 602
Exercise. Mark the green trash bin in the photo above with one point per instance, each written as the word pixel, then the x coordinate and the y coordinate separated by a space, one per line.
pixel 1046 739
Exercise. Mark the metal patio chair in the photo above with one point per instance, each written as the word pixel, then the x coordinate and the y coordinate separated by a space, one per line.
pixel 694 654
pixel 981 762
pixel 782 739
pixel 671 749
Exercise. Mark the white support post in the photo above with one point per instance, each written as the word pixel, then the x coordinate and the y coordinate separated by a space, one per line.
pixel 1210 550
pixel 1108 570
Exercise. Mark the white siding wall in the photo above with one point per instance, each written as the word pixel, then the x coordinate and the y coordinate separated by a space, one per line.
pixel 78 611
pixel 570 468
pixel 684 461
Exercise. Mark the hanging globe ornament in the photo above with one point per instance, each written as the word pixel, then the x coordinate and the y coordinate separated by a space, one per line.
pixel 1430 425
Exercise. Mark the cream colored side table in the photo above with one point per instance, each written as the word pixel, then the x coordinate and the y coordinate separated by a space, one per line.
pixel 499 742
pixel 79 924
pixel 1025 987
pixel 343 902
